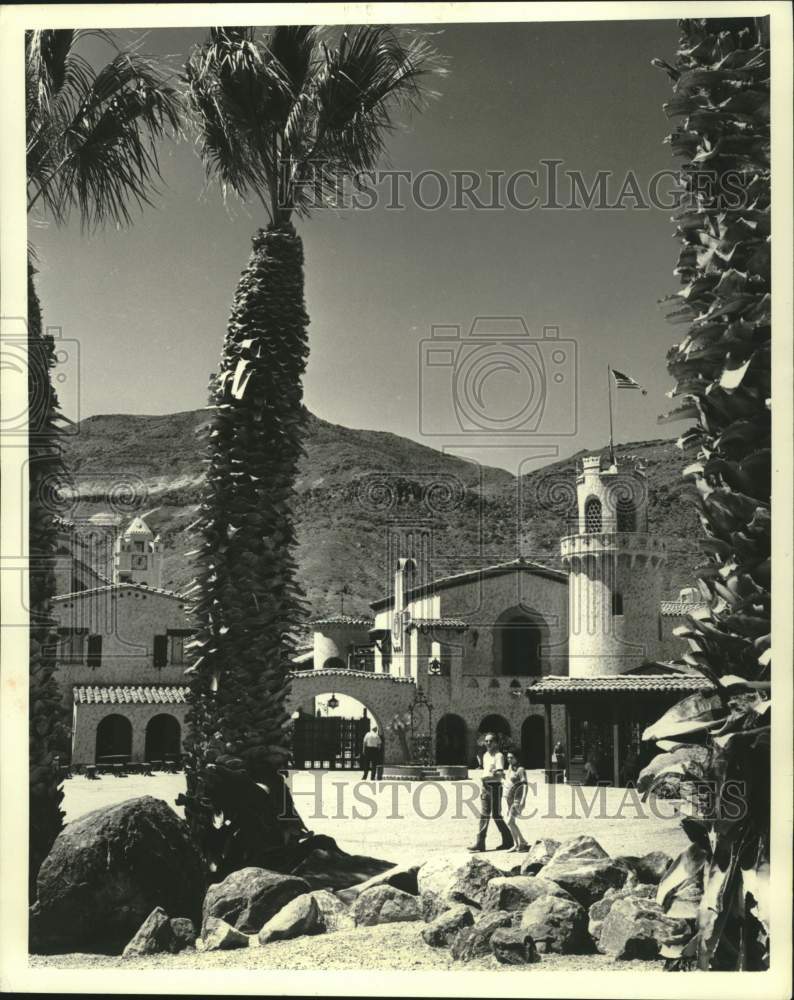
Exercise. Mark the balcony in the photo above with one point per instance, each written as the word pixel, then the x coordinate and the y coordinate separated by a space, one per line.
pixel 631 544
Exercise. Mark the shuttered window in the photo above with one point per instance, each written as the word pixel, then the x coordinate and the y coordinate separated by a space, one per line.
pixel 160 650
pixel 94 651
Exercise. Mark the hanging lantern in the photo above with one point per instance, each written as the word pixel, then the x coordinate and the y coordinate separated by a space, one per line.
pixel 333 702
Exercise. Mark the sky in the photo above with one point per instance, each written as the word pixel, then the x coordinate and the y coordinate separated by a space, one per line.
pixel 147 306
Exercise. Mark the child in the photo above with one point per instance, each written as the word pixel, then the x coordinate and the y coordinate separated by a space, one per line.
pixel 515 786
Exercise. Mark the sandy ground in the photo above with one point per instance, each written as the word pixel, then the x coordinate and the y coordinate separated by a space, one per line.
pixel 411 822
pixel 403 823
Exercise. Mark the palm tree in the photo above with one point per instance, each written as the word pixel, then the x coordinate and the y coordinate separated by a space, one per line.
pixel 91 145
pixel 284 117
pixel 722 371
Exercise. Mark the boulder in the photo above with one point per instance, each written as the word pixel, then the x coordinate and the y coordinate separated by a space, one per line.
pixel 248 898
pixel 516 892
pixel 579 848
pixel 638 928
pixel 300 916
pixel 538 855
pixel 334 912
pixel 585 878
pixel 217 935
pixel 456 878
pixel 108 870
pixel 400 876
pixel 555 924
pixel 383 904
pixel 441 931
pixel 475 941
pixel 599 910
pixel 652 866
pixel 183 934
pixel 152 937
pixel 514 946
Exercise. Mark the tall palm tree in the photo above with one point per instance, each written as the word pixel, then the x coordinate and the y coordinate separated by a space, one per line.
pixel 283 117
pixel 722 369
pixel 91 146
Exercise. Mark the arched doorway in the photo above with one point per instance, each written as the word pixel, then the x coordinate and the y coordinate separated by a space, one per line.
pixel 330 737
pixel 495 724
pixel 113 740
pixel 163 738
pixel 533 750
pixel 518 640
pixel 451 740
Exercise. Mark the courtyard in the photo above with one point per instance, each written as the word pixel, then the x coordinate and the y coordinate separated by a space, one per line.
pixel 409 822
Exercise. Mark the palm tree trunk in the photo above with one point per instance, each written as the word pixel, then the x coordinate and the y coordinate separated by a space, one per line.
pixel 46 713
pixel 248 601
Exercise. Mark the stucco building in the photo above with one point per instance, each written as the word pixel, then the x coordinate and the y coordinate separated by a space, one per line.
pixel 121 650
pixel 577 655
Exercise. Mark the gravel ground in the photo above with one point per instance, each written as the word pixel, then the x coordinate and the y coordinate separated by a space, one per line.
pixel 392 947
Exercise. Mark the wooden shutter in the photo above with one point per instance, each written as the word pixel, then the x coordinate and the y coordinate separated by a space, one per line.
pixel 160 650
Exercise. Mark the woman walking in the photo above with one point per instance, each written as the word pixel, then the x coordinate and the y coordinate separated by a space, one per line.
pixel 515 786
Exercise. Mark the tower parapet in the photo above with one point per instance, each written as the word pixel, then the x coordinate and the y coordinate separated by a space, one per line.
pixel 613 563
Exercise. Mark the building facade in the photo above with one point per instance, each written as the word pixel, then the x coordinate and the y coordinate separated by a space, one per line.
pixel 121 658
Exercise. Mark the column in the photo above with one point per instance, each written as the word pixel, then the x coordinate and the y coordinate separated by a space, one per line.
pixel 547 734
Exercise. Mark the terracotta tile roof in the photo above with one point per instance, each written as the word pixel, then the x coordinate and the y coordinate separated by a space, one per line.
pixel 119 586
pixel 514 565
pixel 342 620
pixel 677 609
pixel 425 623
pixel 104 695
pixel 369 675
pixel 620 682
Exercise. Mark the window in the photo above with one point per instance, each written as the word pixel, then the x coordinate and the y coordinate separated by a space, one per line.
pixel 617 603
pixel 138 547
pixel 626 514
pixel 385 652
pixel 139 562
pixel 125 578
pixel 592 516
pixel 94 658
pixel 160 650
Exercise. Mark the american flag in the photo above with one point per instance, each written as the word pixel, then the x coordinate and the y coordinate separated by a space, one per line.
pixel 627 382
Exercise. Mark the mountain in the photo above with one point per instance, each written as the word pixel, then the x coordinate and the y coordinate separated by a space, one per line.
pixel 354 488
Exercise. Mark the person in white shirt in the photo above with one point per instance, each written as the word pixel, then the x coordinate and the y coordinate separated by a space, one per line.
pixel 372 754
pixel 492 766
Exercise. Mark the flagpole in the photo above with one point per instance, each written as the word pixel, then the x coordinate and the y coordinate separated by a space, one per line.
pixel 611 432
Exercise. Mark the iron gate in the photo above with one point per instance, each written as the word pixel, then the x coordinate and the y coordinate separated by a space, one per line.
pixel 328 742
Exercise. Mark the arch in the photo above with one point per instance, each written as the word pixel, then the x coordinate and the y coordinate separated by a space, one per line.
pixel 494 724
pixel 113 740
pixel 163 738
pixel 386 699
pixel 593 521
pixel 334 663
pixel 518 639
pixel 451 739
pixel 533 748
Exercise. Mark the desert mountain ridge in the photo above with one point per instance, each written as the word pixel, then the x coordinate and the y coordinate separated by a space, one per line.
pixel 353 488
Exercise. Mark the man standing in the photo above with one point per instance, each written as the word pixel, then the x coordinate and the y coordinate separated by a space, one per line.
pixel 372 754
pixel 492 766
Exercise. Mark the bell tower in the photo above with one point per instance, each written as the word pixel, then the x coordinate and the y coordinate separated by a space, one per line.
pixel 139 555
pixel 613 561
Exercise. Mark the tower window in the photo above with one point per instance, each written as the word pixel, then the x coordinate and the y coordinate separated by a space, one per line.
pixel 617 603
pixel 626 514
pixel 592 516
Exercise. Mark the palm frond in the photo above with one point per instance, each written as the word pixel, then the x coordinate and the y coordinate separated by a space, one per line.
pixel 92 136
